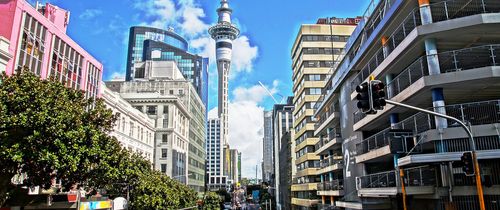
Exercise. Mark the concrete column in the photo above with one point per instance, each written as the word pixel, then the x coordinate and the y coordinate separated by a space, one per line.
pixel 425 11
pixel 390 87
pixel 323 199
pixel 394 118
pixel 432 56
pixel 385 48
pixel 437 93
pixel 438 104
pixel 332 200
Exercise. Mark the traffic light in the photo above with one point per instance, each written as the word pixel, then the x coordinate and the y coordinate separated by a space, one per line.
pixel 378 94
pixel 364 98
pixel 468 164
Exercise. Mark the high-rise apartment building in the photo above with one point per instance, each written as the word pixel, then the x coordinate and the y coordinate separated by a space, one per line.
pixel 179 114
pixel 215 156
pixel 282 122
pixel 224 32
pixel 38 40
pixel 268 165
pixel 152 44
pixel 439 55
pixel 314 53
pixel 133 129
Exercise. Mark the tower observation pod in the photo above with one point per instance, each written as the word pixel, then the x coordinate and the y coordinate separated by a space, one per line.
pixel 224 32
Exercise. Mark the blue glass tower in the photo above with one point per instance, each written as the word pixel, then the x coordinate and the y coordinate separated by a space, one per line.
pixel 170 47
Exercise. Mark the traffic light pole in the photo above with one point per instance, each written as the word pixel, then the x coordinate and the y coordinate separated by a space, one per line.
pixel 472 144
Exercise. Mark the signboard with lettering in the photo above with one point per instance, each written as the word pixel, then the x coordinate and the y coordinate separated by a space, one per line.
pixel 155 36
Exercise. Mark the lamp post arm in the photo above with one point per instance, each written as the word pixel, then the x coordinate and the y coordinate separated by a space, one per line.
pixel 469 133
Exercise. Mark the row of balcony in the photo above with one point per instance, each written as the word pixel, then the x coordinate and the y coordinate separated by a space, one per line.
pixel 324 140
pixel 331 185
pixel 441 11
pixel 451 61
pixel 477 113
pixel 413 177
pixel 330 161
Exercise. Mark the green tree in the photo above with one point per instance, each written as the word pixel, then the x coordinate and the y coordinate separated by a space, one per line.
pixel 48 132
pixel 211 201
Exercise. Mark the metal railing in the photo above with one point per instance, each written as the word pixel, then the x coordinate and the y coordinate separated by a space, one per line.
pixel 413 177
pixel 323 116
pixel 334 133
pixel 447 10
pixel 450 61
pixel 409 23
pixel 441 11
pixel 412 73
pixel 475 113
pixel 337 184
pixel 332 160
pixel 378 180
pixel 420 176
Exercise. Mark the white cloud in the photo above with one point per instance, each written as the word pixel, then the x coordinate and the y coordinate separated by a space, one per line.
pixel 243 54
pixel 89 14
pixel 192 24
pixel 246 124
pixel 117 76
pixel 255 93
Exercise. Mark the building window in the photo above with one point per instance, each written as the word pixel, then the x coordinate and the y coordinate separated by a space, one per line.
pixel 131 133
pixel 138 108
pixel 151 110
pixel 164 153
pixel 164 138
pixel 164 168
pixel 165 123
pixel 165 109
pixel 315 91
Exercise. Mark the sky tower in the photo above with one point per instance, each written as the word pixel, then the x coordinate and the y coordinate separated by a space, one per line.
pixel 224 33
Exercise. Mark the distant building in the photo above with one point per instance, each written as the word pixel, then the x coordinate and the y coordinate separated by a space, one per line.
pixel 152 44
pixel 5 56
pixel 282 122
pixel 234 172
pixel 284 181
pixel 179 113
pixel 38 40
pixel 215 155
pixel 133 129
pixel 268 165
pixel 315 52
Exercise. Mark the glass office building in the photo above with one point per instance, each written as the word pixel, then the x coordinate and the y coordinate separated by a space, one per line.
pixel 147 43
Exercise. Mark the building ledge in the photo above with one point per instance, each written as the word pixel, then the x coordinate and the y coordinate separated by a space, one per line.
pixel 365 205
pixel 373 154
pixel 392 191
pixel 304 202
pixel 329 168
pixel 324 149
pixel 331 193
pixel 445 157
pixel 328 121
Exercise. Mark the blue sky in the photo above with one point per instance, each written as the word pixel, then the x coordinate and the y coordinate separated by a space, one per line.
pixel 262 53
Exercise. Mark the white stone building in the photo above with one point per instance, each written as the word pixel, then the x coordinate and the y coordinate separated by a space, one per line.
pixel 133 129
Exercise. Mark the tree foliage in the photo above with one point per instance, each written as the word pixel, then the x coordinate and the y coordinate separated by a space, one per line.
pixel 211 201
pixel 50 132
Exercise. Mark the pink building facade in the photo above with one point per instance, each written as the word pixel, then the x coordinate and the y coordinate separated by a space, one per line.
pixel 39 41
